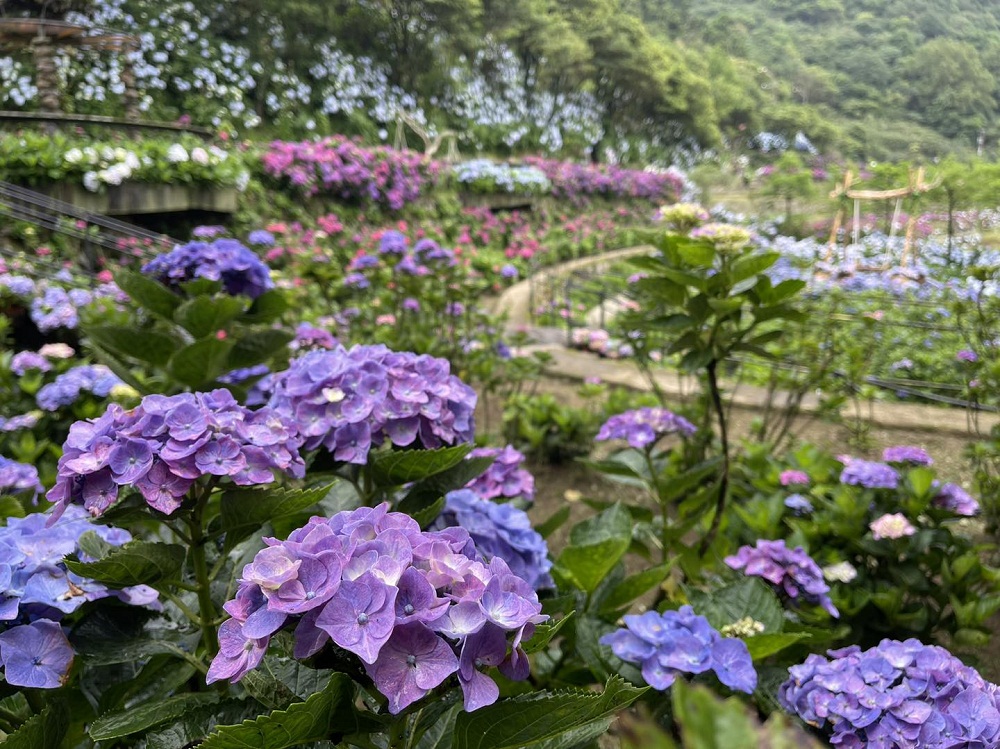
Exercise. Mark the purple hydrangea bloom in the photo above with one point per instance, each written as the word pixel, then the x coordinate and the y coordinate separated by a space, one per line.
pixel 261 237
pixel 870 474
pixel 894 695
pixel 208 232
pixel 165 444
pixel 954 498
pixel 237 376
pixel 414 606
pixel 35 587
pixel 966 355
pixel 22 361
pixel 65 390
pixel 18 477
pixel 21 421
pixel 17 285
pixel 644 427
pixel 798 504
pixel 350 400
pixel 792 572
pixel 907 454
pixel 54 309
pixel 225 260
pixel 500 530
pixel 506 478
pixel 36 655
pixel 674 642
pixel 508 271
pixel 308 336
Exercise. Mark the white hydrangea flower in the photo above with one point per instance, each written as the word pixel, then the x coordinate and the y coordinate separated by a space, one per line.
pixel 177 154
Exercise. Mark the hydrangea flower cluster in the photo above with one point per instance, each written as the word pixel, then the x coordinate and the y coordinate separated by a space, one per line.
pixel 870 474
pixel 339 167
pixel 909 454
pixel 226 260
pixel 23 361
pixel 483 175
pixel 791 571
pixel 794 478
pixel 415 606
pixel 644 427
pixel 954 498
pixel 349 400
pixel 681 642
pixel 16 478
pixel 66 388
pixel 163 445
pixel 36 591
pixel 575 180
pixel 500 530
pixel 506 478
pixel 892 526
pixel 895 695
pixel 54 308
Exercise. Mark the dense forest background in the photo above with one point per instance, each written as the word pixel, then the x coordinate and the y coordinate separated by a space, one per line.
pixel 637 79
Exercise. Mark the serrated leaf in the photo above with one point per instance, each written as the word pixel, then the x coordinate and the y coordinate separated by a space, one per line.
pixel 746 598
pixel 396 467
pixel 544 634
pixel 634 586
pixel 195 724
pixel 280 681
pixel 147 346
pixel 534 719
pixel 147 293
pixel 11 507
pixel 93 545
pixel 242 511
pixel 45 730
pixel 555 521
pixel 751 265
pixel 204 314
pixel 268 307
pixel 440 733
pixel 324 716
pixel 201 362
pixel 135 563
pixel 764 645
pixel 143 717
pixel 433 487
pixel 595 546
pixel 258 347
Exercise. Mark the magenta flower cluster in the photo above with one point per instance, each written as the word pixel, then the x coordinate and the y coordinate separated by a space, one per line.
pixel 644 427
pixel 350 400
pixel 36 591
pixel 895 695
pixel 500 530
pixel 506 479
pixel 676 642
pixel 341 168
pixel 236 267
pixel 166 443
pixel 792 572
pixel 417 607
pixel 575 180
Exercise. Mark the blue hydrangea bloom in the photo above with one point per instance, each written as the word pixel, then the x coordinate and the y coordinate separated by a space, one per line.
pixel 674 642
pixel 225 260
pixel 895 695
pixel 67 387
pixel 500 530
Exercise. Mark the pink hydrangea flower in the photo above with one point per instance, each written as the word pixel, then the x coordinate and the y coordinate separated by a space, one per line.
pixel 894 525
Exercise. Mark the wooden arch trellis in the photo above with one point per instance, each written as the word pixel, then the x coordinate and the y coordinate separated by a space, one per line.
pixel 432 143
pixel 915 186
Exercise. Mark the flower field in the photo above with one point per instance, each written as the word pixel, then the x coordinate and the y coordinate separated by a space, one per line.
pixel 252 497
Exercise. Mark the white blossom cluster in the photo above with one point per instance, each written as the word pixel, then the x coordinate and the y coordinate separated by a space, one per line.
pixel 108 166
pixel 180 62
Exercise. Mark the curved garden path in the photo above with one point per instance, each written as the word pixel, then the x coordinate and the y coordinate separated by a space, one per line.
pixel 574 365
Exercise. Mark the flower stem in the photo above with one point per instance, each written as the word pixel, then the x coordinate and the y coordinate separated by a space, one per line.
pixel 207 613
pixel 720 413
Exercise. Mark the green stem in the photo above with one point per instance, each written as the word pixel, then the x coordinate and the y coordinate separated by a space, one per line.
pixel 207 612
pixel 720 413
pixel 654 479
pixel 185 609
